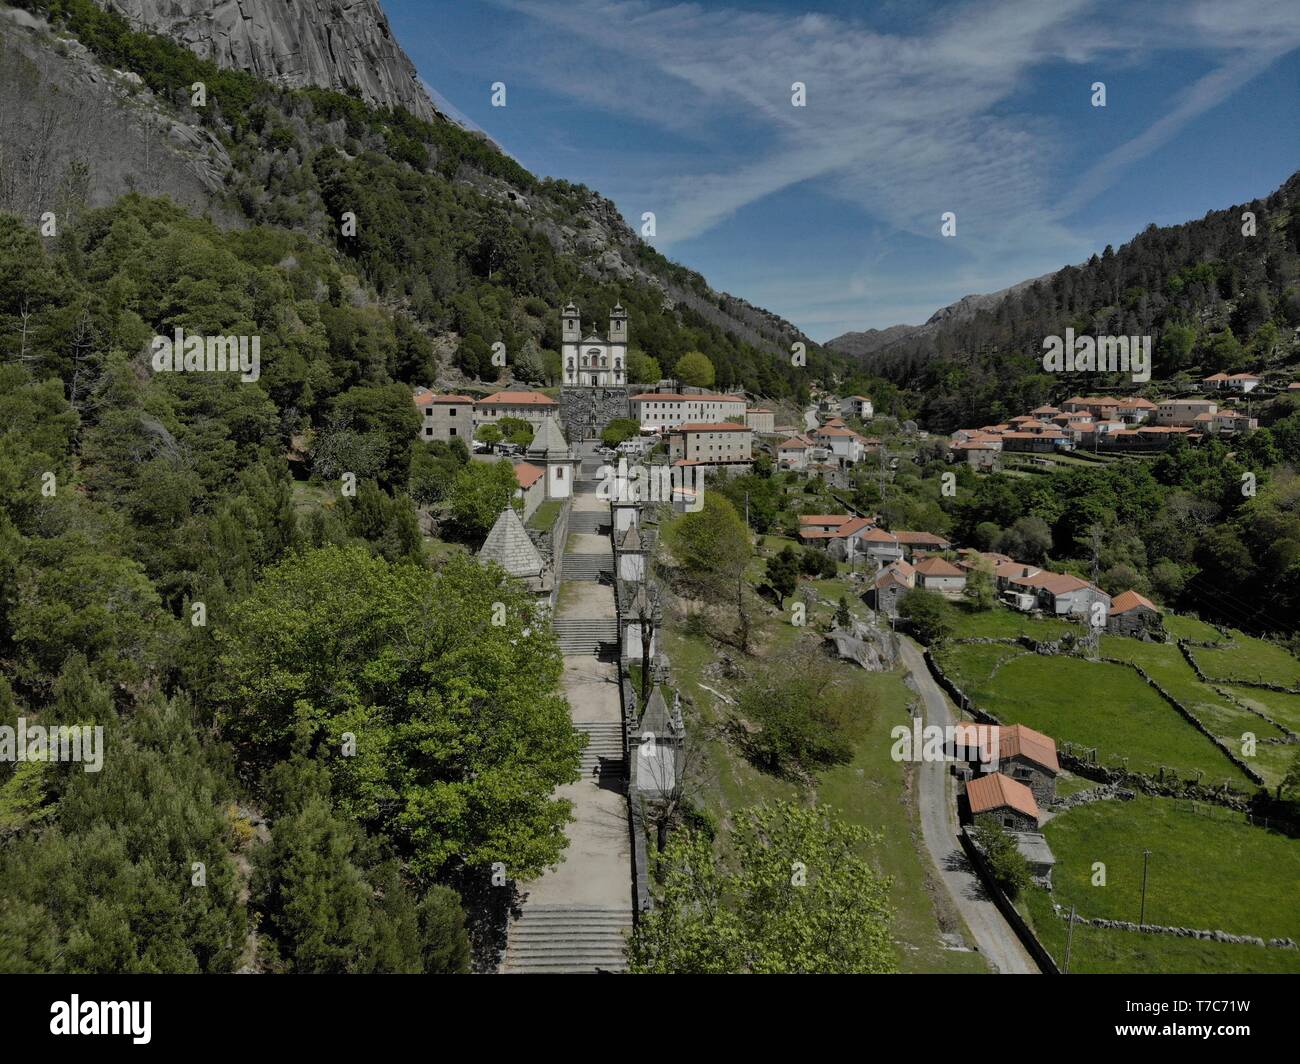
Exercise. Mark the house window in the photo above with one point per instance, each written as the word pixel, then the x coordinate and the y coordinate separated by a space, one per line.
pixel 559 472
pixel 1008 822
pixel 428 411
pixel 428 432
pixel 451 431
pixel 451 412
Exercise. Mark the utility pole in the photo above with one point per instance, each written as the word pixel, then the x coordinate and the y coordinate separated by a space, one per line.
pixel 1069 942
pixel 1142 918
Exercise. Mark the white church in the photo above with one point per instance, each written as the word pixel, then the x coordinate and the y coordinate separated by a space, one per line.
pixel 594 362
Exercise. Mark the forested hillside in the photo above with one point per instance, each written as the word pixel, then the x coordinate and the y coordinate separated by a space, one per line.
pixel 468 243
pixel 1211 297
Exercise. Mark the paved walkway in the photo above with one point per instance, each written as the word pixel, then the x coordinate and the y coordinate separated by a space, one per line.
pixel 595 872
pixel 937 797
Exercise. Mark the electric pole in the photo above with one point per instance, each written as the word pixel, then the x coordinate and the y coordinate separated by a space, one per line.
pixel 1069 942
pixel 1142 918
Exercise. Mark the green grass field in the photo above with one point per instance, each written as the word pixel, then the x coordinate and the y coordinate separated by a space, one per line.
pixel 1165 664
pixel 1203 872
pixel 1249 659
pixel 1004 623
pixel 1091 704
pixel 1279 705
pixel 1193 628
pixel 1101 951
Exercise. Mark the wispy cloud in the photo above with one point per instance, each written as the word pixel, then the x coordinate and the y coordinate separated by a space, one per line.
pixel 901 125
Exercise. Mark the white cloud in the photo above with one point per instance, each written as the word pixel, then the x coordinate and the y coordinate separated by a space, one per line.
pixel 902 126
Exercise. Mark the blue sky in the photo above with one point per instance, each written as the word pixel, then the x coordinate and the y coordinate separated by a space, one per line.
pixel 829 214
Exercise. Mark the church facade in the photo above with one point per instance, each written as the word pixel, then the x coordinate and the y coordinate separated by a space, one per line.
pixel 594 362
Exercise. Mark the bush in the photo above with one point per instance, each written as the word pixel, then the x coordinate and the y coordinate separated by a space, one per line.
pixel 1010 869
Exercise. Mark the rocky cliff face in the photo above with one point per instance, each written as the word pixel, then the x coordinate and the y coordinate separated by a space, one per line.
pixel 336 44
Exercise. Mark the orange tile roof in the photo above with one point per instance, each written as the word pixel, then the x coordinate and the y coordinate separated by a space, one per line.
pixel 517 399
pixel 527 474
pixel 1129 600
pixel 792 444
pixel 996 791
pixel 937 566
pixel 1037 747
pixel 823 519
pixel 1056 583
pixel 879 535
pixel 916 538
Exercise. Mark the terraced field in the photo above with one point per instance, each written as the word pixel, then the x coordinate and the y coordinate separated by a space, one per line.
pixel 1203 873
pixel 1090 704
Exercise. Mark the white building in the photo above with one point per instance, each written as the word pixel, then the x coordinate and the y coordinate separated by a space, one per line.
pixel 533 407
pixel 593 361
pixel 667 410
pixel 711 443
pixel 856 406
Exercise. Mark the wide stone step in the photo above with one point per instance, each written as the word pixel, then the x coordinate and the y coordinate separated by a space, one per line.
pixel 562 939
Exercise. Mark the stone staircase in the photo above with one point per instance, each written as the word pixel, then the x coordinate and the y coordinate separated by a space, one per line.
pixel 561 939
pixel 585 412
pixel 588 566
pixel 580 635
pixel 604 747
pixel 589 522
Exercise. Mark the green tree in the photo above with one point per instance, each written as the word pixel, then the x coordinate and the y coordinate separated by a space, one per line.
pixel 479 493
pixel 516 430
pixel 695 369
pixel 461 732
pixel 620 429
pixel 928 613
pixel 783 572
pixel 803 720
pixel 980 588
pixel 832 915
pixel 1010 869
pixel 489 433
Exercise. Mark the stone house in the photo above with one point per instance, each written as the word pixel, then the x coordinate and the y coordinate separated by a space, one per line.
pixel 1010 802
pixel 1134 615
pixel 445 417
pixel 891 584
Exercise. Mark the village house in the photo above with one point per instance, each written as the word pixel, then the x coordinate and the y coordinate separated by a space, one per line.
pixel 668 410
pixel 1133 615
pixel 921 541
pixel 711 443
pixel 446 417
pixel 891 584
pixel 760 420
pixel 1046 441
pixel 1025 755
pixel 533 407
pixel 938 574
pixel 1184 412
pixel 1231 382
pixel 841 535
pixel 531 489
pixel 1233 422
pixel 881 546
pixel 843 443
pixel 1059 593
pixel 1008 801
pixel 979 455
pixel 858 406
